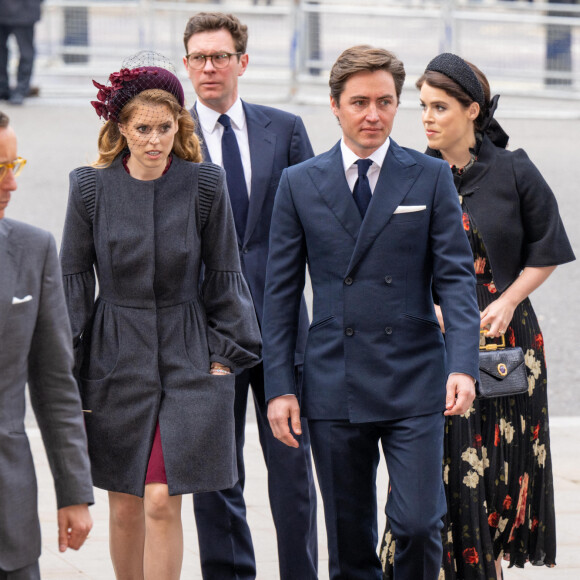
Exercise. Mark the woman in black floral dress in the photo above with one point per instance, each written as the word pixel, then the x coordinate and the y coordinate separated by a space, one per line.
pixel 497 465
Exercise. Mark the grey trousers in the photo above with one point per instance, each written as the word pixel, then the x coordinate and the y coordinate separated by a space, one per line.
pixel 25 39
pixel 31 572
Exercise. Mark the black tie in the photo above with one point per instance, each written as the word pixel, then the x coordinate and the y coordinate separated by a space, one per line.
pixel 236 180
pixel 362 190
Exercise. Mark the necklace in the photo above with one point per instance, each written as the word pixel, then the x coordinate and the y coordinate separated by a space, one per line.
pixel 461 170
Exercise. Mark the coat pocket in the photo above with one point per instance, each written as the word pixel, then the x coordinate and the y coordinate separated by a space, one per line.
pixel 101 345
pixel 320 323
pixel 424 321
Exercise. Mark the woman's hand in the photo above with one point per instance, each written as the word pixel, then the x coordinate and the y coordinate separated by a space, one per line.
pixel 217 368
pixel 497 316
pixel 439 316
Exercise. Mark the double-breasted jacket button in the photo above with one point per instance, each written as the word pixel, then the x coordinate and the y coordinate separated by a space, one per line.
pixel 388 330
pixel 349 331
pixel 388 279
pixel 348 280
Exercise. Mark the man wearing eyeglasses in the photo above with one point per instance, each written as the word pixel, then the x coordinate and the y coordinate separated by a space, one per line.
pixel 254 144
pixel 36 348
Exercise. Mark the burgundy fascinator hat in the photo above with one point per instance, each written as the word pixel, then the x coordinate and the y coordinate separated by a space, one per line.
pixel 140 72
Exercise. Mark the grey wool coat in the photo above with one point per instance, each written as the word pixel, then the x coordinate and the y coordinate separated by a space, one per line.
pixel 144 346
pixel 35 347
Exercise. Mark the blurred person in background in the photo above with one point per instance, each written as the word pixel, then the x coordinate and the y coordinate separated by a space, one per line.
pixel 17 18
pixel 265 141
pixel 36 348
pixel 156 350
pixel 497 462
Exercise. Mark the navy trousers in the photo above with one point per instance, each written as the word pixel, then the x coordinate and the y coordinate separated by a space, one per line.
pixel 225 541
pixel 24 36
pixel 346 456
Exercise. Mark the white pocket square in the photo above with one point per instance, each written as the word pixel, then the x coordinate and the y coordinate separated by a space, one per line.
pixel 17 300
pixel 410 208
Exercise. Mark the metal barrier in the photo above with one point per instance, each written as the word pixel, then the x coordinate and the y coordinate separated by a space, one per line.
pixel 524 47
pixel 78 41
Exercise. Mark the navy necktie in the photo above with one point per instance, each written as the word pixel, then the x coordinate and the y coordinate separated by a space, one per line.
pixel 232 162
pixel 362 190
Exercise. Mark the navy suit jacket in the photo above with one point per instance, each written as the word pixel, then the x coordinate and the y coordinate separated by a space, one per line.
pixel 375 351
pixel 277 139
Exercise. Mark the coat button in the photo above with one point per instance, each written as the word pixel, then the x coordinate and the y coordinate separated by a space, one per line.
pixel 349 332
pixel 348 281
pixel 388 330
pixel 244 250
pixel 388 279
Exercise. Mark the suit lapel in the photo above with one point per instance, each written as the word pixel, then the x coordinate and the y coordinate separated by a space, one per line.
pixel 262 149
pixel 8 271
pixel 328 177
pixel 199 133
pixel 398 173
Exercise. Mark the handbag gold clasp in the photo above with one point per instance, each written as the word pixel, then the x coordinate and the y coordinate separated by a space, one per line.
pixel 484 346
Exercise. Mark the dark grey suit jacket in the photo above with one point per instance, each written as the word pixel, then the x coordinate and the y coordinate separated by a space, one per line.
pixel 36 346
pixel 19 12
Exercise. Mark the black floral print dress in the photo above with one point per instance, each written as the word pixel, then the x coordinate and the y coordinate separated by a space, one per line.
pixel 504 446
pixel 497 465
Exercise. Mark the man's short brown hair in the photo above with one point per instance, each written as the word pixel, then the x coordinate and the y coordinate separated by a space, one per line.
pixel 207 21
pixel 4 120
pixel 364 58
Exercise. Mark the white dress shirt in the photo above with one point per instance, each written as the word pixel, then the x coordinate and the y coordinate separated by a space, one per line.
pixel 212 132
pixel 349 160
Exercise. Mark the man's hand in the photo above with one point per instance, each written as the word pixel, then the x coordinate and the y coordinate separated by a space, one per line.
pixel 460 394
pixel 74 524
pixel 439 314
pixel 280 410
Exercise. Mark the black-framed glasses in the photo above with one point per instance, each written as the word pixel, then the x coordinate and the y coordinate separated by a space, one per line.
pixel 17 166
pixel 221 60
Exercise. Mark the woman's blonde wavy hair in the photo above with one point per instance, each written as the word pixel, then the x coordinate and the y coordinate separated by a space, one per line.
pixel 185 145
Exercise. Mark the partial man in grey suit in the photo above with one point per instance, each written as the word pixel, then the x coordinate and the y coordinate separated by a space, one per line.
pixel 36 346
pixel 254 144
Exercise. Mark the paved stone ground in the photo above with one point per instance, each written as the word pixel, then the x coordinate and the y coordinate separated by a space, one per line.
pixel 58 135
pixel 92 561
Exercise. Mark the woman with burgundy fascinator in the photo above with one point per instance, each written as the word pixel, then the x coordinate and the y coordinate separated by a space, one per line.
pixel 497 464
pixel 157 348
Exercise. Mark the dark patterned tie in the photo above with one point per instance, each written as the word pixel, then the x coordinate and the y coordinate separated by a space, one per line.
pixel 362 190
pixel 236 180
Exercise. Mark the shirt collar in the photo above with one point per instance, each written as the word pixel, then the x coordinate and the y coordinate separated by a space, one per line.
pixel 208 118
pixel 378 157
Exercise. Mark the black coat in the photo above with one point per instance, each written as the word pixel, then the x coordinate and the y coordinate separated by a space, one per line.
pixel 19 12
pixel 148 340
pixel 515 211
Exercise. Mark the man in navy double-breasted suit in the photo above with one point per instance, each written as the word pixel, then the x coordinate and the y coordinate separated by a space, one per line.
pixel 268 140
pixel 380 229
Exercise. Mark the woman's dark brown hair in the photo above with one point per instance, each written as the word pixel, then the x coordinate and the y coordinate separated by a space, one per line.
pixel 438 80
